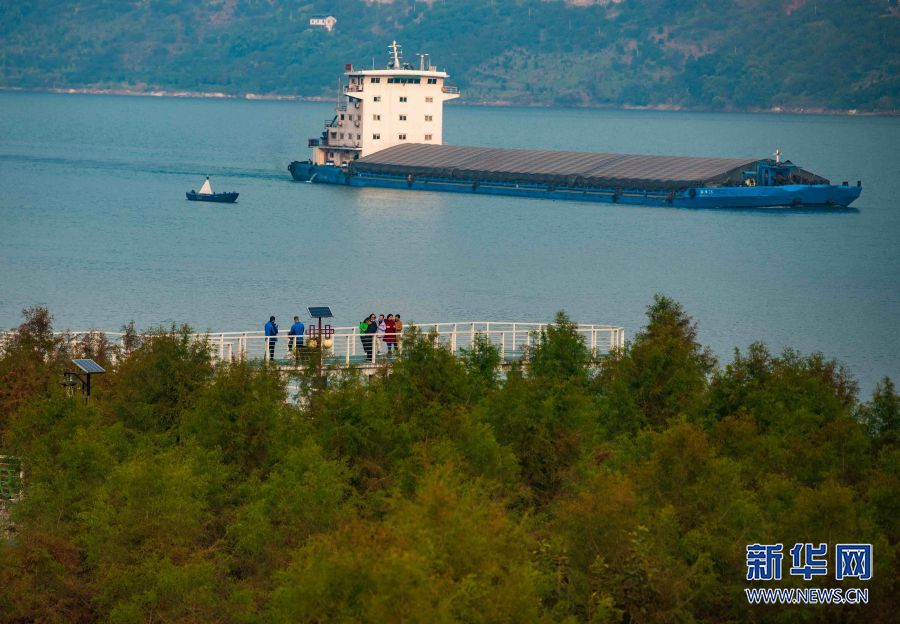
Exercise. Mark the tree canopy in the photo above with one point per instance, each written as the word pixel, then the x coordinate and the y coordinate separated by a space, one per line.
pixel 440 490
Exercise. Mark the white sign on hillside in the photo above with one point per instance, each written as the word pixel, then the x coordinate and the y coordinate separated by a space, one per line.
pixel 327 22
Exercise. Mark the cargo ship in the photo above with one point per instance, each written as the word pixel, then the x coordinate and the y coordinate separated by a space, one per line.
pixel 387 132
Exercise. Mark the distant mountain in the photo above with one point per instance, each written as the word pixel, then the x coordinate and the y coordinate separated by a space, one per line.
pixel 707 54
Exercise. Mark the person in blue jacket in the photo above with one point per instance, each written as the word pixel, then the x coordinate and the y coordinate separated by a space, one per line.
pixel 297 330
pixel 271 332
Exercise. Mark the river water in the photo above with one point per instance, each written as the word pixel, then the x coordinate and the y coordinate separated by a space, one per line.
pixel 94 224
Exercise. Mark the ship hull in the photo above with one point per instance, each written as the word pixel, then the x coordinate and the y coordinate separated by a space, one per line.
pixel 219 198
pixel 785 196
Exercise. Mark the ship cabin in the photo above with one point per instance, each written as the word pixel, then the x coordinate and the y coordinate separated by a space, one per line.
pixel 777 172
pixel 381 108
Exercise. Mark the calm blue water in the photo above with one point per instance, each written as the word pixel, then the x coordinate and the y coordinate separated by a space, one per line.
pixel 94 224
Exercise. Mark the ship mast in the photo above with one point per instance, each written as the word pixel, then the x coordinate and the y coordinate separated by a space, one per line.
pixel 395 55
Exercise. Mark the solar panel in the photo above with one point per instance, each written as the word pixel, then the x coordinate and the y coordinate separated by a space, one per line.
pixel 320 312
pixel 88 366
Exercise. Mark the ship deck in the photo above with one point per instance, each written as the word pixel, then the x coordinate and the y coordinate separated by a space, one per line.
pixel 562 168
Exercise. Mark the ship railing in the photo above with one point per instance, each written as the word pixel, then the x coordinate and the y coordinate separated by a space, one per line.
pixel 512 339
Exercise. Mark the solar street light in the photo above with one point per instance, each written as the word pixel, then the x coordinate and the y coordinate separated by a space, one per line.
pixel 323 333
pixel 87 367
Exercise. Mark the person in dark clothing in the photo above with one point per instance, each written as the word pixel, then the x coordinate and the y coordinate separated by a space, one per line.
pixel 271 332
pixel 297 330
pixel 371 329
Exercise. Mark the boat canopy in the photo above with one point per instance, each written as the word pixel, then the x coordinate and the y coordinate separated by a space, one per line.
pixel 572 169
pixel 206 189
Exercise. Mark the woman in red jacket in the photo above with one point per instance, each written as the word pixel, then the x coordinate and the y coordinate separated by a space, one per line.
pixel 390 337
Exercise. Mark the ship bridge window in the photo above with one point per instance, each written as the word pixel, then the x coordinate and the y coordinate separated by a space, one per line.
pixel 402 98
pixel 427 137
pixel 432 81
pixel 404 80
pixel 402 117
pixel 377 98
pixel 376 117
pixel 402 137
pixel 376 137
pixel 376 80
pixel 429 117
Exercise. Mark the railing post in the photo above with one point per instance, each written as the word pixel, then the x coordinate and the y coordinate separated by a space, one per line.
pixel 349 339
pixel 503 344
pixel 221 347
pixel 593 342
pixel 453 340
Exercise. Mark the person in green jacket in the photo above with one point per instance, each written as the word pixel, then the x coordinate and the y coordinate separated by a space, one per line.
pixel 365 337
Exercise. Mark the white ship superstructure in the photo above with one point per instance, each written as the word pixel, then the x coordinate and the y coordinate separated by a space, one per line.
pixel 381 108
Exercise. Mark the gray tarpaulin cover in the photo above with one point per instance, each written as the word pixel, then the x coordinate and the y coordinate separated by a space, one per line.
pixel 580 169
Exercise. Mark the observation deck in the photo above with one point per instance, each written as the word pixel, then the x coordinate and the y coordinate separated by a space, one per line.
pixel 513 340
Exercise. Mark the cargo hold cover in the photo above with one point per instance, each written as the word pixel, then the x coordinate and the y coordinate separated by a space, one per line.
pixel 573 169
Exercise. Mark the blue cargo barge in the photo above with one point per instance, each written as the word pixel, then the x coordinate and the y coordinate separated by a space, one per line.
pixel 387 133
pixel 753 184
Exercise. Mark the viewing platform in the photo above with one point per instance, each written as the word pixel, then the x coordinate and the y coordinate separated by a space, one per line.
pixel 345 348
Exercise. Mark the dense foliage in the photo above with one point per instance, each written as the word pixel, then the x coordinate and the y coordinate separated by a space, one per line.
pixel 721 54
pixel 442 490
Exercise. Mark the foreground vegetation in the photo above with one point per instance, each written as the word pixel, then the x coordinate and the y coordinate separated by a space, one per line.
pixel 439 492
pixel 709 54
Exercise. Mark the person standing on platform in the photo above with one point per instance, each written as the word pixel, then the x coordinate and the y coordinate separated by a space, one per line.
pixel 390 338
pixel 398 328
pixel 271 332
pixel 297 330
pixel 379 333
pixel 365 338
pixel 371 329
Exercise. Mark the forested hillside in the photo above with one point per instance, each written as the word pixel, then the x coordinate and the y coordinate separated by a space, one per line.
pixel 440 492
pixel 706 54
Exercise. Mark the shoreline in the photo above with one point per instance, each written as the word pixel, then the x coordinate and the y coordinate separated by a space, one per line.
pixel 486 103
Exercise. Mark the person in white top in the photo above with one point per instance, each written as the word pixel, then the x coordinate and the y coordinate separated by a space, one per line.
pixel 379 333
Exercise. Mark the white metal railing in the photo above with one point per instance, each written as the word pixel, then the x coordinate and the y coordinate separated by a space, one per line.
pixel 347 346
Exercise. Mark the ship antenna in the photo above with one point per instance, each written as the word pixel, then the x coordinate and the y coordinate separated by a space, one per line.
pixel 777 156
pixel 395 55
